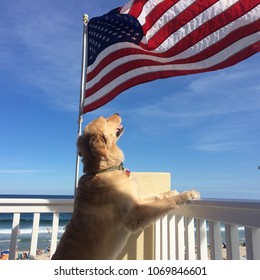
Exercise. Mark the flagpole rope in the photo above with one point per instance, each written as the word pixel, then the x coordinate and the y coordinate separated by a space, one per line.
pixel 82 91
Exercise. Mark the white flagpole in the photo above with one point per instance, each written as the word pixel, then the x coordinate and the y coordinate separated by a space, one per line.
pixel 82 92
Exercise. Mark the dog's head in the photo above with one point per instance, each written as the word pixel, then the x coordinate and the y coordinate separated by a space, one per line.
pixel 97 145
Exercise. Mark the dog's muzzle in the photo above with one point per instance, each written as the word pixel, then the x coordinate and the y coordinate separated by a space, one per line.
pixel 120 130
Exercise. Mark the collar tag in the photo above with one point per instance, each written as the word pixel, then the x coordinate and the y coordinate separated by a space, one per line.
pixel 127 172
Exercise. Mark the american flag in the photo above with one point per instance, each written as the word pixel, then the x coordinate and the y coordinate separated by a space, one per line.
pixel 147 40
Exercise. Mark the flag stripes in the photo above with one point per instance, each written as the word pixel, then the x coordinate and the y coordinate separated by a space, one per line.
pixel 179 38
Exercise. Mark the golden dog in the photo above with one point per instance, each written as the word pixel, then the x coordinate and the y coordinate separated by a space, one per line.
pixel 107 207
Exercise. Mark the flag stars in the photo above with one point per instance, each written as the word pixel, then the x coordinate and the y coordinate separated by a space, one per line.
pixel 108 30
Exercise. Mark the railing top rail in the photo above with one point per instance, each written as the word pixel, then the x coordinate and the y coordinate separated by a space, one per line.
pixel 35 205
pixel 240 212
pixel 228 203
pixel 211 202
pixel 237 212
pixel 33 201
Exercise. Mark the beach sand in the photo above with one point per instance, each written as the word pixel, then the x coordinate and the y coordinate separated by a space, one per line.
pixel 242 253
pixel 41 255
pixel 46 256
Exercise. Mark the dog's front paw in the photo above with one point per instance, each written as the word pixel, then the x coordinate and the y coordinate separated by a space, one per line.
pixel 188 195
pixel 192 195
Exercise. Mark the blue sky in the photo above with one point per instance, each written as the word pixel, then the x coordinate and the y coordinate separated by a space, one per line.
pixel 204 129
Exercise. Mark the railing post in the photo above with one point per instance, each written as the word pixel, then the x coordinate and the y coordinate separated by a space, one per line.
pixel 157 240
pixel 201 239
pixel 164 235
pixel 252 243
pixel 35 231
pixel 180 244
pixel 172 237
pixel 54 234
pixel 189 238
pixel 215 241
pixel 232 242
pixel 15 230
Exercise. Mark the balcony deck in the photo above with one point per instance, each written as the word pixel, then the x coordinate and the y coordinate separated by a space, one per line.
pixel 195 231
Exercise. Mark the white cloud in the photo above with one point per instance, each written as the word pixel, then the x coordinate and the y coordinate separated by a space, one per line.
pixel 42 49
pixel 216 147
pixel 216 111
pixel 21 171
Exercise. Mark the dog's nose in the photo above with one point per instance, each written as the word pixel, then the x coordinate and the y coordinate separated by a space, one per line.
pixel 116 114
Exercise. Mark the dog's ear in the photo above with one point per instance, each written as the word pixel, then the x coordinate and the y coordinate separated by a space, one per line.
pixel 81 143
pixel 98 145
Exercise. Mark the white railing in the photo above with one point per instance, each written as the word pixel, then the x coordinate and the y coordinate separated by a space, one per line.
pixel 35 206
pixel 195 231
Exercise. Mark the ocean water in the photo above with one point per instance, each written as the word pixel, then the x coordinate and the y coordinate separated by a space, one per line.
pixel 25 228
